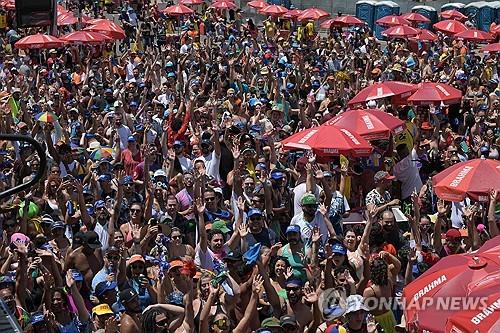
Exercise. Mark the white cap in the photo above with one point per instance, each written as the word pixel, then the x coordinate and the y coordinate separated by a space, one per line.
pixel 355 303
pixel 371 104
pixel 118 104
pixel 159 173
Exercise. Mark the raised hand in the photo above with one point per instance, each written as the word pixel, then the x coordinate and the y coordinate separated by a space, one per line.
pixel 310 294
pixel 241 204
pixel 257 284
pixel 493 195
pixel 200 206
pixel 412 255
pixel 236 151
pixel 323 210
pixel 243 231
pixel 442 207
pixel 21 248
pixel 316 235
pixel 70 281
pixel 365 250
pixel 136 233
pixel 275 248
pixel 289 273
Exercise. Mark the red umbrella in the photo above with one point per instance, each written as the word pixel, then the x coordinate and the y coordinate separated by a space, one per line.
pixel 313 14
pixel 495 28
pixel 371 124
pixel 453 15
pixel 223 4
pixel 468 320
pixel 475 35
pixel 273 10
pixel 257 4
pixel 39 41
pixel 329 140
pixel 435 93
pixel 178 10
pixel 495 47
pixel 191 2
pixel 327 24
pixel 428 299
pixel 85 37
pixel 473 178
pixel 450 27
pixel 400 31
pixel 383 89
pixel 416 18
pixel 348 21
pixel 425 35
pixel 292 14
pixel 108 28
pixel 69 19
pixel 392 20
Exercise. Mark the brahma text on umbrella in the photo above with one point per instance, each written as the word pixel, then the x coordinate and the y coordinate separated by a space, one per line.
pixel 486 312
pixel 461 175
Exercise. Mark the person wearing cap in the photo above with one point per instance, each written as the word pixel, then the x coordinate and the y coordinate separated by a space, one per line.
pixel 295 252
pixel 131 156
pixel 301 188
pixel 111 269
pixel 9 298
pixel 102 319
pixel 130 321
pixel 211 154
pixel 86 258
pixel 138 281
pixel 407 172
pixel 453 237
pixel 185 163
pixel 257 230
pixel 311 218
pixel 379 198
pixel 60 243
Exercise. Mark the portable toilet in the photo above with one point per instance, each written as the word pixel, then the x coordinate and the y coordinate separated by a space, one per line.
pixel 487 15
pixel 427 11
pixel 472 12
pixel 453 5
pixel 382 9
pixel 365 10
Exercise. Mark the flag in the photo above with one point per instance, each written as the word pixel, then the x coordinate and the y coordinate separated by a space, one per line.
pixel 14 106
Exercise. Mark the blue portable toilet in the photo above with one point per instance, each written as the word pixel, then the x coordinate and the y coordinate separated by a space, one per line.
pixel 382 9
pixel 427 11
pixel 487 15
pixel 453 5
pixel 365 10
pixel 471 10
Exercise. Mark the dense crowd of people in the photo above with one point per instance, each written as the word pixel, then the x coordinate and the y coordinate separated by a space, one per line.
pixel 169 204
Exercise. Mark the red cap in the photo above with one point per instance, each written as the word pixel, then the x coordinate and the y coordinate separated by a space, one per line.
pixel 453 234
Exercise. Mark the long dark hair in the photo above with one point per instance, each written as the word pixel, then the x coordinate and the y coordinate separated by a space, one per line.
pixel 148 320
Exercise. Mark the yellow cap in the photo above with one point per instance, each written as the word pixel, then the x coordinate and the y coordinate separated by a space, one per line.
pixel 102 309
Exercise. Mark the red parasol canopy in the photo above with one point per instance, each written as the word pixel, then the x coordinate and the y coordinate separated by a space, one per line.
pixel 453 15
pixel 329 140
pixel 495 47
pixel 69 19
pixel 313 14
pixel 223 4
pixel 108 28
pixel 400 31
pixel 327 24
pixel 257 4
pixel 475 35
pixel 348 21
pixel 293 13
pixel 383 89
pixel 473 178
pixel 273 10
pixel 425 35
pixel 450 27
pixel 392 20
pixel 371 124
pixel 85 37
pixel 435 93
pixel 456 276
pixel 39 41
pixel 416 18
pixel 495 28
pixel 178 10
pixel 190 2
pixel 468 320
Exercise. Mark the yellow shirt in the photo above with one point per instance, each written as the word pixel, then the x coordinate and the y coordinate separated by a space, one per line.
pixel 309 29
pixel 270 29
pixel 3 21
pixel 407 135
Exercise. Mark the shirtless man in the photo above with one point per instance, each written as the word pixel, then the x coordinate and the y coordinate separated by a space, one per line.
pixel 299 304
pixel 87 258
pixel 176 249
pixel 130 321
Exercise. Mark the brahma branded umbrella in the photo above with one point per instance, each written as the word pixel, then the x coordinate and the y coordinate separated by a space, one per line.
pixel 108 28
pixel 416 18
pixel 392 20
pixel 313 14
pixel 273 10
pixel 257 4
pixel 495 47
pixel 400 31
pixel 371 124
pixel 223 4
pixel 429 93
pixel 191 2
pixel 484 319
pixel 348 21
pixel 292 14
pixel 453 15
pixel 474 179
pixel 39 41
pixel 329 140
pixel 475 35
pixel 381 90
pixel 178 10
pixel 425 35
pixel 86 37
pixel 450 27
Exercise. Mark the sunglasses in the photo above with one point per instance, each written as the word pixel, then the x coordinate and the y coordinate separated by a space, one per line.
pixel 176 237
pixel 210 199
pixel 221 323
pixel 113 258
pixel 137 266
pixel 135 210
pixel 293 288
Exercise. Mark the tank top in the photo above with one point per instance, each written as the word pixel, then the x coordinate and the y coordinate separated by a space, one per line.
pixel 295 262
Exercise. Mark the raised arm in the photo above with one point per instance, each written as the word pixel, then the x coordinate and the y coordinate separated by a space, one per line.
pixel 200 209
pixel 436 239
pixel 492 225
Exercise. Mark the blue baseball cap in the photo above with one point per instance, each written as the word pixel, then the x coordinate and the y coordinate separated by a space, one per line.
pixel 108 91
pixel 77 275
pixel 339 248
pixel 277 175
pixel 128 180
pixel 102 287
pixel 37 318
pixel 171 74
pixel 99 204
pixel 254 212
pixel 292 229
pixel 131 139
pixel 133 103
pixel 179 143
pixel 104 178
pixel 57 225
